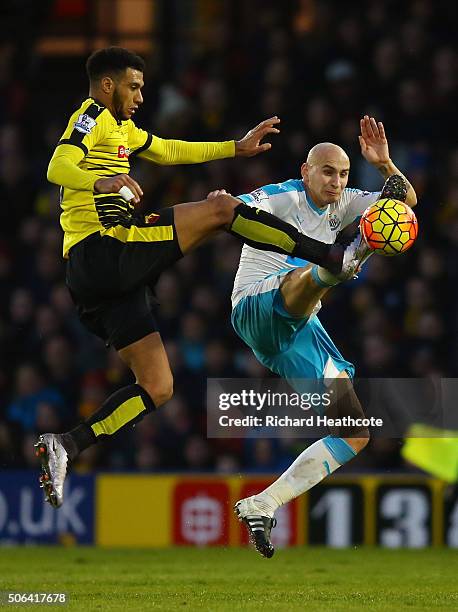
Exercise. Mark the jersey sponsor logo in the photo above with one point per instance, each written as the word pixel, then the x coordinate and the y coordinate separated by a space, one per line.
pixel 123 152
pixel 334 222
pixel 259 195
pixel 84 124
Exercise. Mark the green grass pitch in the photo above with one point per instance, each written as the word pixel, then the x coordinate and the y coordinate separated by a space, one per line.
pixel 235 579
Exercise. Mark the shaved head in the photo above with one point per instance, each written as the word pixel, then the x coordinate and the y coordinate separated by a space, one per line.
pixel 325 173
pixel 326 151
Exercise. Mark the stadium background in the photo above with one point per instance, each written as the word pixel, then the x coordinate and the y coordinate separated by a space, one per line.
pixel 214 69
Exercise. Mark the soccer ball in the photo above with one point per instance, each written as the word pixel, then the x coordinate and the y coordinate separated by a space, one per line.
pixel 389 226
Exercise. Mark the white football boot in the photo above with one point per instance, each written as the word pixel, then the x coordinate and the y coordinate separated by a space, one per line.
pixel 54 459
pixel 355 255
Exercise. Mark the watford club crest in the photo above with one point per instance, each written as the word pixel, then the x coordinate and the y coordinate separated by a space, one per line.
pixel 151 219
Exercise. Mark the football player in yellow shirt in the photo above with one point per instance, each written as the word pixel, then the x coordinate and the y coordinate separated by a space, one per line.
pixel 115 256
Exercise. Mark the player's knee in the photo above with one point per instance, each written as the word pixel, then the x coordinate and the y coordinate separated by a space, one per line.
pixel 162 394
pixel 223 209
pixel 160 391
pixel 360 442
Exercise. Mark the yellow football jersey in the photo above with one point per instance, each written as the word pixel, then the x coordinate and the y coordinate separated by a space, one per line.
pixel 107 145
pixel 96 145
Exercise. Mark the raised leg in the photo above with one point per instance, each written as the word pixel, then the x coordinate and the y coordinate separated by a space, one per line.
pixel 196 221
pixel 300 292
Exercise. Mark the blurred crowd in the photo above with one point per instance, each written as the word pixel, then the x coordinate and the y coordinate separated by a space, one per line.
pixel 317 65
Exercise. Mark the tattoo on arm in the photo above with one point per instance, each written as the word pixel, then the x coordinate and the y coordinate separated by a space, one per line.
pixel 388 169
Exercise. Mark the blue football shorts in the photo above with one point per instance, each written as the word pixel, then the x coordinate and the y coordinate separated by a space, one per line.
pixel 292 347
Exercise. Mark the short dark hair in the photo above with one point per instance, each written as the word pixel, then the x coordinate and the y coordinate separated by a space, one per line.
pixel 112 61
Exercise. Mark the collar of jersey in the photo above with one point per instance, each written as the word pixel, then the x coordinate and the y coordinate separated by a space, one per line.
pixel 101 104
pixel 118 121
pixel 313 206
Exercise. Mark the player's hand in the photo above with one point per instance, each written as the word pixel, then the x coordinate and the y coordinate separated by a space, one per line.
pixel 216 193
pixel 373 142
pixel 113 184
pixel 250 144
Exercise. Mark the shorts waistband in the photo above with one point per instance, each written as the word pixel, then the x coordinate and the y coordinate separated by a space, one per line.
pixel 86 240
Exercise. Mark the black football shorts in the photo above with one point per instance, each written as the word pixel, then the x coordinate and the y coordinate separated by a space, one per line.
pixel 110 279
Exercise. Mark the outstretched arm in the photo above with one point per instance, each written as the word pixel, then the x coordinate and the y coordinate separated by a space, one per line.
pixel 171 152
pixel 374 148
